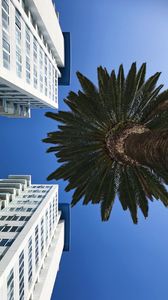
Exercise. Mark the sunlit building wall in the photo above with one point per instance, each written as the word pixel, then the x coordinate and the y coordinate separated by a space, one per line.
pixel 32 235
pixel 31 52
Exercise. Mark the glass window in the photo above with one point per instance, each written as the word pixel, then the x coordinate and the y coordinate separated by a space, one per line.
pixel 42 235
pixel 18 36
pixel 18 43
pixel 11 208
pixel 18 61
pixel 9 243
pixel 35 76
pixel 21 276
pixel 45 74
pixel 14 229
pixel 30 267
pixel 36 245
pixel 29 209
pixel 46 217
pixel 6 60
pixel 5 20
pixel 6 242
pixel 18 19
pixel 28 76
pixel 6 228
pixel 9 218
pixel 5 6
pixel 10 286
pixel 50 223
pixel 6 49
pixel 5 42
pixel 3 218
pixel 3 242
pixel 41 54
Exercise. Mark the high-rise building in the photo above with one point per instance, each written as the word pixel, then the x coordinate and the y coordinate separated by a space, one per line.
pixel 33 234
pixel 32 49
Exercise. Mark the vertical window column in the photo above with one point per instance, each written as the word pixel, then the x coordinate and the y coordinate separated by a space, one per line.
pixel 36 245
pixel 41 59
pixel 56 206
pixel 35 45
pixel 28 53
pixel 30 266
pixel 42 235
pixel 10 286
pixel 54 216
pixel 50 79
pixel 46 225
pixel 18 43
pixel 53 83
pixel 5 34
pixel 56 86
pixel 50 219
pixel 21 276
pixel 45 75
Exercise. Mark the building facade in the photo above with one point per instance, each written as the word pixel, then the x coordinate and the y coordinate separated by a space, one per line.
pixel 32 238
pixel 31 53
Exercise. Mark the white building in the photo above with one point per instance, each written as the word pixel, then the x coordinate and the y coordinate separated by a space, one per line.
pixel 31 51
pixel 31 238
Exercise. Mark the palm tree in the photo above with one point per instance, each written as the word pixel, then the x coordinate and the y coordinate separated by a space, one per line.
pixel 114 140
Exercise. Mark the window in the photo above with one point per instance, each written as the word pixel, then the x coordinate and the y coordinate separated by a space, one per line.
pixel 28 47
pixel 28 34
pixel 35 75
pixel 45 74
pixel 42 235
pixel 15 229
pixel 17 19
pixel 53 83
pixel 53 211
pixel 6 242
pixel 11 208
pixel 5 41
pixel 6 50
pixel 5 5
pixel 50 219
pixel 46 220
pixel 9 218
pixel 5 14
pixel 56 85
pixel 18 36
pixel 3 218
pixel 21 276
pixel 5 228
pixel 39 196
pixel 24 218
pixel 35 50
pixel 28 69
pixel 36 246
pixel 29 209
pixel 10 286
pixel 41 54
pixel 18 61
pixel 30 267
pixel 18 43
pixel 49 80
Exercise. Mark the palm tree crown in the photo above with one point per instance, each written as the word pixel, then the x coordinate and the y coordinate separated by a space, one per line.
pixel 100 140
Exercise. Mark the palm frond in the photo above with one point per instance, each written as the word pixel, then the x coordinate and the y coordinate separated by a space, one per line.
pixel 110 191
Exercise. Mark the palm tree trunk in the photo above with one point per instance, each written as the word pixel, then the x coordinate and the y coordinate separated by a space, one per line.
pixel 149 148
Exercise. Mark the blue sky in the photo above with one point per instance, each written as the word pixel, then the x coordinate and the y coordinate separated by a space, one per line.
pixel 115 260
